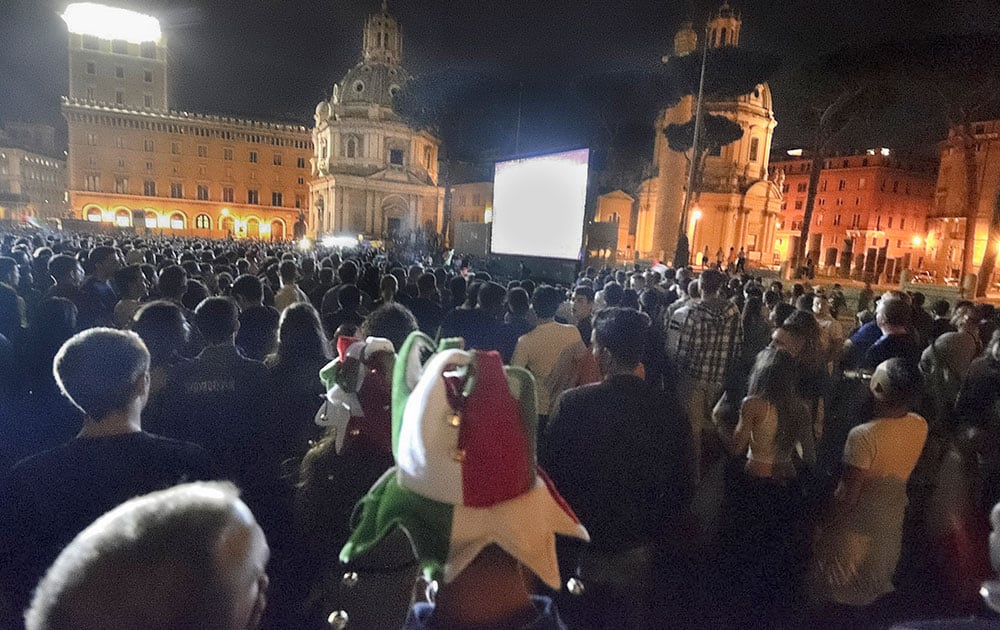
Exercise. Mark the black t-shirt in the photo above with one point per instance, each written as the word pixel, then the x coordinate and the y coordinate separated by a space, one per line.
pixel 48 498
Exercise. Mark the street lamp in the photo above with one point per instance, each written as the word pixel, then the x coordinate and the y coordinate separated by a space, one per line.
pixel 683 251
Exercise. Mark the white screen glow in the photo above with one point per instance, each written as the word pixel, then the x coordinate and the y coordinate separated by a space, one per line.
pixel 88 18
pixel 538 205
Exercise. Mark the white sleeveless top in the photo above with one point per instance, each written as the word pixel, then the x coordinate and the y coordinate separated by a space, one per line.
pixel 763 441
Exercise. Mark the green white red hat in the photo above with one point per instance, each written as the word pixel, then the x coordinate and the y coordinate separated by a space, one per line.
pixel 359 396
pixel 466 477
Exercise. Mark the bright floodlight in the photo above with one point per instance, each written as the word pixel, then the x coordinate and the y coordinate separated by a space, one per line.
pixel 88 18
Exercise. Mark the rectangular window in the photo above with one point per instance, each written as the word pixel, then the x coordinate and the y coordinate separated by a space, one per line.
pixel 802 187
pixel 202 150
pixel 92 183
pixel 842 184
pixel 202 192
pixel 861 183
pixel 147 100
pixel 202 170
pixel 890 224
pixel 253 197
pixel 90 93
pixel 92 139
pixel 149 188
pixel 276 199
pixel 148 50
pixel 177 190
pixel 298 201
pixel 149 166
pixel 147 76
pixel 121 163
pixel 836 220
pixel 822 186
pixel 300 162
pixel 902 223
pixel 301 180
pixel 227 194
pixel 227 154
pixel 175 148
pixel 798 204
pixel 277 159
pixel 754 148
pixel 396 157
pixel 253 157
pixel 119 142
pixel 119 72
pixel 90 42
pixel 856 221
pixel 119 46
pixel 121 185
pixel 147 145
pixel 119 97
pixel 91 68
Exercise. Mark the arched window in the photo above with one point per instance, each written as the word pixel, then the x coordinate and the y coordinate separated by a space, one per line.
pixel 94 214
pixel 150 220
pixel 203 222
pixel 253 228
pixel 177 221
pixel 352 147
pixel 722 39
pixel 226 225
pixel 123 218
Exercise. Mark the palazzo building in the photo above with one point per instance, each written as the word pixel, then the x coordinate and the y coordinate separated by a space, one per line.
pixel 32 173
pixel 870 208
pixel 372 173
pixel 737 205
pixel 135 163
pixel 947 216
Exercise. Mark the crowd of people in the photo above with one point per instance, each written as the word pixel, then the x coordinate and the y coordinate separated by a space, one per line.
pixel 720 450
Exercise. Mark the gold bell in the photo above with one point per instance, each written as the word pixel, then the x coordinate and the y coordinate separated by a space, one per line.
pixel 455 420
pixel 459 455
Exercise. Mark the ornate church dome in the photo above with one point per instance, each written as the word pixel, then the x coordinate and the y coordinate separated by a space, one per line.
pixel 372 83
pixel 379 76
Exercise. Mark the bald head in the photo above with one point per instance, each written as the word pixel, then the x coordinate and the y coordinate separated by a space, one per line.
pixel 191 556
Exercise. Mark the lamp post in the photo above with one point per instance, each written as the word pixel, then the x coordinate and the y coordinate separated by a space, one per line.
pixel 683 251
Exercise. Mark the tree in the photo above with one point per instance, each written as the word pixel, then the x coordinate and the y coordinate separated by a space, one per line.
pixel 716 132
pixel 717 74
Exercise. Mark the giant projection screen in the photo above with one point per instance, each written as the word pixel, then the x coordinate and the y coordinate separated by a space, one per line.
pixel 538 205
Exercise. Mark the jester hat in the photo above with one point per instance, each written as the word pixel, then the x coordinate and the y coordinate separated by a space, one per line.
pixel 466 477
pixel 358 397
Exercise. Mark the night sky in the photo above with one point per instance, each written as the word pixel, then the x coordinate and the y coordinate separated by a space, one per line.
pixel 276 59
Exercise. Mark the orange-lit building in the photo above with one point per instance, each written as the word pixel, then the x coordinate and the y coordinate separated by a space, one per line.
pixel 946 220
pixel 870 208
pixel 135 163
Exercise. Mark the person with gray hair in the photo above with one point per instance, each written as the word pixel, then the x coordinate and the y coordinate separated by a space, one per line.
pixel 48 498
pixel 191 556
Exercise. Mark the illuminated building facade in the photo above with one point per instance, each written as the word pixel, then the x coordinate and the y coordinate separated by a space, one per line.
pixel 372 173
pixel 137 164
pixel 947 218
pixel 870 208
pixel 32 178
pixel 737 204
pixel 472 202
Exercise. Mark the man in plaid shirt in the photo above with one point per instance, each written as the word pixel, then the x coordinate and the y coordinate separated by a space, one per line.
pixel 703 337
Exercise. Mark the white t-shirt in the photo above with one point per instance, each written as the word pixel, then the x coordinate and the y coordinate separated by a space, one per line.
pixel 855 558
pixel 539 352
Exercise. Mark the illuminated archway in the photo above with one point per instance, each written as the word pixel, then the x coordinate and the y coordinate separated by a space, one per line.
pixel 123 218
pixel 92 213
pixel 253 227
pixel 277 230
pixel 178 221
pixel 151 220
pixel 203 222
pixel 226 225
